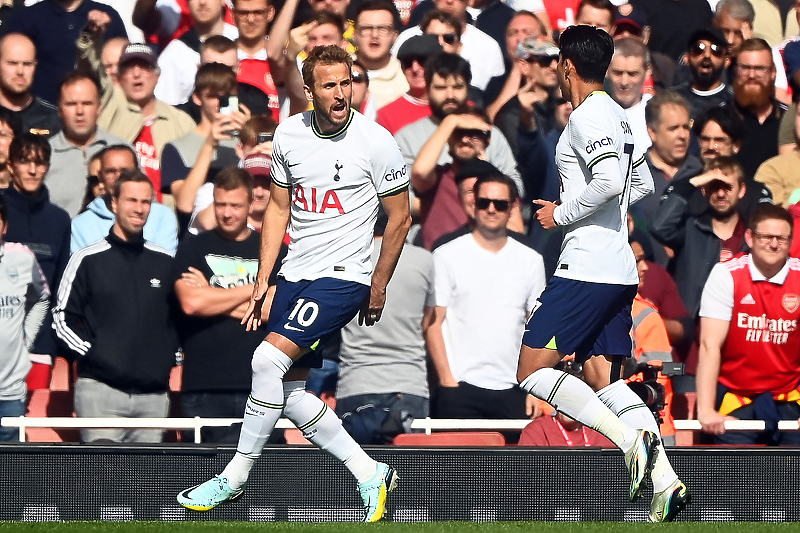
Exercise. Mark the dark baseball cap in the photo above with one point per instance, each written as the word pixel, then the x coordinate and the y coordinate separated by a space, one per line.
pixel 629 18
pixel 139 51
pixel 710 34
pixel 419 46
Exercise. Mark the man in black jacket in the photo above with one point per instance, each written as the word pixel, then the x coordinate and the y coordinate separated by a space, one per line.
pixel 43 227
pixel 113 314
pixel 701 238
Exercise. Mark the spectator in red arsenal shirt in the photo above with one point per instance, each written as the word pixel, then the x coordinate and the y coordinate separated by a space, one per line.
pixel 749 363
pixel 413 105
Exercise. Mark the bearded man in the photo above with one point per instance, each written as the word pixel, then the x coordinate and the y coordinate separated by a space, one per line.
pixel 707 58
pixel 754 101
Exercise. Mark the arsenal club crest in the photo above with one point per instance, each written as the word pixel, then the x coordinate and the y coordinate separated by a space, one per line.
pixel 791 302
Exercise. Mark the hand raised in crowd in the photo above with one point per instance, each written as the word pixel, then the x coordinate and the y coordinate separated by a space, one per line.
pixel 701 180
pixel 531 93
pixel 225 124
pixel 298 39
pixel 97 22
pixel 747 30
pixel 467 122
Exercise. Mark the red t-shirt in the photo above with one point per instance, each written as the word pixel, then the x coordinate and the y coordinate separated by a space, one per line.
pixel 256 72
pixel 441 207
pixel 548 431
pixel 762 350
pixel 733 244
pixel 399 113
pixel 148 157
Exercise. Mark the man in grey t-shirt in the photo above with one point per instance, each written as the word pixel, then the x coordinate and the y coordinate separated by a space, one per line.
pixel 383 380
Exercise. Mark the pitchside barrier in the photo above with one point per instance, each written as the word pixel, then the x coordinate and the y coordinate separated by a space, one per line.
pixel 426 424
pixel 100 482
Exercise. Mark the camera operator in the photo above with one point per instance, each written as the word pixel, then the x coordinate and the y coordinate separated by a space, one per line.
pixel 749 366
pixel 651 348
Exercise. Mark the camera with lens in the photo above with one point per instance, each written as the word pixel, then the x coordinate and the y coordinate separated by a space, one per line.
pixel 652 393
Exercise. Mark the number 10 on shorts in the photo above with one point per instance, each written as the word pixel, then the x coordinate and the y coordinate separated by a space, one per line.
pixel 305 312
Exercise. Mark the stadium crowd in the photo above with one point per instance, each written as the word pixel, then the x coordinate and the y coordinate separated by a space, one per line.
pixel 135 152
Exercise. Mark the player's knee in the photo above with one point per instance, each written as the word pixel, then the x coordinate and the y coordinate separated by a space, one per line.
pixel 268 360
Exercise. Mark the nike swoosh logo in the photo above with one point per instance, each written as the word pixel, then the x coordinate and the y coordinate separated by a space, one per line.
pixel 291 328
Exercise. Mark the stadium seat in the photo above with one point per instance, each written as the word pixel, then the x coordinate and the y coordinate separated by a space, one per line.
pixel 55 401
pixel 464 438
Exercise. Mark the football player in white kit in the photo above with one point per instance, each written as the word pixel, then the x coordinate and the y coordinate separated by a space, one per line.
pixel 332 169
pixel 586 307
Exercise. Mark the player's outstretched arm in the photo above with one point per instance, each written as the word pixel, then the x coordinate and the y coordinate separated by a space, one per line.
pixel 397 209
pixel 273 229
pixel 713 332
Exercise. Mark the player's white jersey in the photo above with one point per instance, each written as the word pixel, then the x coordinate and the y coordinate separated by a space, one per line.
pixel 335 182
pixel 601 173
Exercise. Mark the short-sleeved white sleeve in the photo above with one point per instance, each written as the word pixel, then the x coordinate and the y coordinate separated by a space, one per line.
pixel 717 299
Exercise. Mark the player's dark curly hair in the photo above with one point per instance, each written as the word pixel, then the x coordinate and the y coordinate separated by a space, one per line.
pixel 589 49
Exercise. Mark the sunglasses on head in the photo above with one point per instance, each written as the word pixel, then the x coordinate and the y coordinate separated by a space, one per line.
pixel 543 61
pixel 699 49
pixel 358 77
pixel 500 205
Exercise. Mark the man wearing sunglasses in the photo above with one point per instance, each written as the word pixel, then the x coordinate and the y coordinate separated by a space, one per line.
pixel 466 134
pixel 482 52
pixel 707 58
pixel 448 78
pixel 485 286
pixel 413 105
pixel 536 100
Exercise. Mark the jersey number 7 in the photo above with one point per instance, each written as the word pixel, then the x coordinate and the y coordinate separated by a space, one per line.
pixel 624 198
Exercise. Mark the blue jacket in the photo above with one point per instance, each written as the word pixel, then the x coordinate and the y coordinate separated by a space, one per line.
pixel 94 224
pixel 45 229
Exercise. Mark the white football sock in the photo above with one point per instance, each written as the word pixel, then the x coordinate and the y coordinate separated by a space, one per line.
pixel 322 427
pixel 577 400
pixel 262 411
pixel 627 405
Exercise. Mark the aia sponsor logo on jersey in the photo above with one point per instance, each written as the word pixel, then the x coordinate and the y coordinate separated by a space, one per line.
pixel 317 201
pixel 791 302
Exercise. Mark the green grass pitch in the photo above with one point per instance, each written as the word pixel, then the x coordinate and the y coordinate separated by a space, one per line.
pixel 387 527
